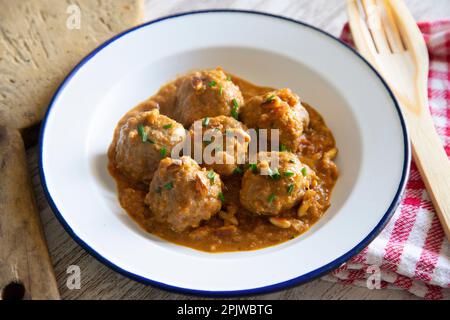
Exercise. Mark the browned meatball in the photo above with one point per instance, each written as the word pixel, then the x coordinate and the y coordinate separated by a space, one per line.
pixel 182 194
pixel 143 141
pixel 228 131
pixel 281 190
pixel 280 109
pixel 206 94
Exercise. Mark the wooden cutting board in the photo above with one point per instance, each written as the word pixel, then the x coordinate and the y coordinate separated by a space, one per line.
pixel 41 41
pixel 25 268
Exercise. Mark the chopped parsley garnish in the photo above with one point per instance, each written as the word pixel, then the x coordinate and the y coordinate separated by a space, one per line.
pixel 270 99
pixel 150 141
pixel 290 189
pixel 253 167
pixel 167 126
pixel 238 170
pixel 211 175
pixel 274 174
pixel 283 148
pixel 288 173
pixel 235 103
pixel 235 114
pixel 221 197
pixel 158 190
pixel 234 111
pixel 220 89
pixel 205 122
pixel 212 84
pixel 142 133
pixel 168 186
pixel 271 198
pixel 163 152
pixel 304 171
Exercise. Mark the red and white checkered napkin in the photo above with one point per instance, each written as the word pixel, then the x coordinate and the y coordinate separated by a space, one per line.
pixel 412 252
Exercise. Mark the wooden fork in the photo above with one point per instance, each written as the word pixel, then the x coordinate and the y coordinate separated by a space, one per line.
pixel 387 35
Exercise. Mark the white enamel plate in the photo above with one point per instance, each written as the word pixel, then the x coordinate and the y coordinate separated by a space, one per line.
pixel 370 133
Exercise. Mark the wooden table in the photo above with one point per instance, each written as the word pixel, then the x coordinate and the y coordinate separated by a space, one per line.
pixel 100 282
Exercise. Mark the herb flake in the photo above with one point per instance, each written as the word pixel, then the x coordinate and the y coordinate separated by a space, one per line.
pixel 304 171
pixel 283 148
pixel 168 186
pixel 271 198
pixel 253 167
pixel 270 99
pixel 238 170
pixel 290 189
pixel 274 174
pixel 163 152
pixel 142 133
pixel 288 173
pixel 235 109
pixel 211 175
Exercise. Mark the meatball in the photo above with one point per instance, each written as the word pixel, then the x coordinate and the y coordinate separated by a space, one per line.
pixel 182 194
pixel 143 141
pixel 279 190
pixel 280 109
pixel 206 94
pixel 231 148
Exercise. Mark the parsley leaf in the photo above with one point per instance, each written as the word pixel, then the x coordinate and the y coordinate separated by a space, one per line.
pixel 142 133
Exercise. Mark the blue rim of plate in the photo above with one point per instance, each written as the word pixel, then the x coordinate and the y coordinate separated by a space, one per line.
pixel 260 290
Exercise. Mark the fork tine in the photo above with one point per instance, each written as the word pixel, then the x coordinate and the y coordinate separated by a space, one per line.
pixel 373 20
pixel 360 32
pixel 390 27
pixel 408 30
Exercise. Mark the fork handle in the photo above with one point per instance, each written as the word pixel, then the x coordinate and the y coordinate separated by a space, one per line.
pixel 432 162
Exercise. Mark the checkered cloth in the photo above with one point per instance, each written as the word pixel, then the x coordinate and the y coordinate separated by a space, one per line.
pixel 412 253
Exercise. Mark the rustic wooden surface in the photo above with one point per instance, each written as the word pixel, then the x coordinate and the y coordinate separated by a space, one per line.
pixel 25 267
pixel 98 281
pixel 37 48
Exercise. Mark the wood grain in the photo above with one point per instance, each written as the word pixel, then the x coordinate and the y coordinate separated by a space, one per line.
pixel 428 151
pixel 98 281
pixel 25 267
pixel 40 42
